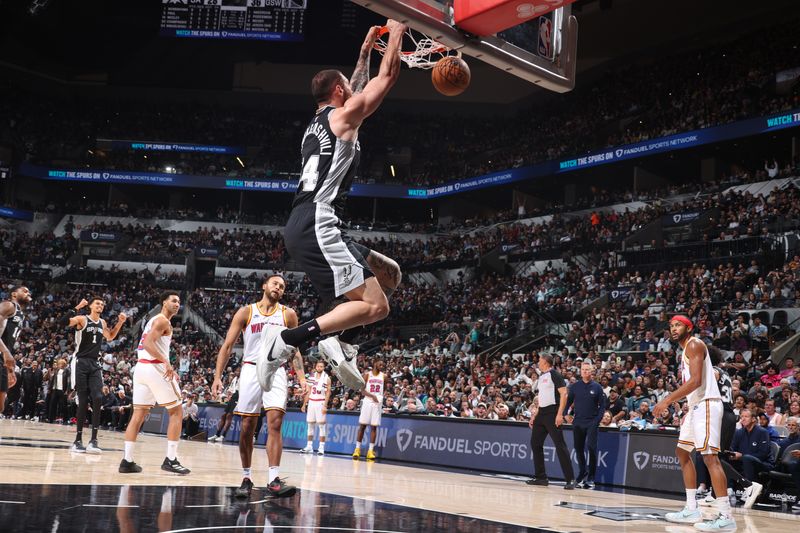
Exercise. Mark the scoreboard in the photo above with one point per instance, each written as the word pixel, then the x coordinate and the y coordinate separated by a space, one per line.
pixel 266 20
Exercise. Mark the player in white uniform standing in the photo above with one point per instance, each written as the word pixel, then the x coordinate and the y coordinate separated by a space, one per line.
pixel 701 429
pixel 371 408
pixel 253 321
pixel 315 405
pixel 155 382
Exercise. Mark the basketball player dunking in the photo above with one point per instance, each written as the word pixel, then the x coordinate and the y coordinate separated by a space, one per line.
pixel 85 369
pixel 335 264
pixel 315 405
pixel 701 428
pixel 371 409
pixel 10 327
pixel 155 381
pixel 255 320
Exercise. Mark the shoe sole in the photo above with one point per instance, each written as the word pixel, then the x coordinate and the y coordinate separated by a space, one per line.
pixel 286 492
pixel 349 378
pixel 77 451
pixel 175 471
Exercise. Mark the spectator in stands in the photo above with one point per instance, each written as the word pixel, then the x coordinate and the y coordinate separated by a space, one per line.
pixel 763 421
pixel 788 370
pixel 107 404
pixel 191 420
pixel 773 416
pixel 122 411
pixel 751 447
pixel 793 411
pixel 772 378
pixel 758 334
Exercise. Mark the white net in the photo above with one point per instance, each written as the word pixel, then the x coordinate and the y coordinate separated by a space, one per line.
pixel 423 52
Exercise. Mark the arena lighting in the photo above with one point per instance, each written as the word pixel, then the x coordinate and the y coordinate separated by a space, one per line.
pixel 169 170
pixel 391 167
pixel 240 161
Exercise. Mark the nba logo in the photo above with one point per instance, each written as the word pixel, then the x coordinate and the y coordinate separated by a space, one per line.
pixel 546 37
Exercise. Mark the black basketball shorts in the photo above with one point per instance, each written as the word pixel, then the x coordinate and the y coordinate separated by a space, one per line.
pixel 331 260
pixel 87 376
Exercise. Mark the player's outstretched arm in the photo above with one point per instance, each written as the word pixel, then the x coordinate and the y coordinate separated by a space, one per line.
pixel 360 106
pixel 360 75
pixel 238 324
pixel 78 322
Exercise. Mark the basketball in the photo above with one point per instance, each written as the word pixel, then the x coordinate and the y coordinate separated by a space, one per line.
pixel 451 75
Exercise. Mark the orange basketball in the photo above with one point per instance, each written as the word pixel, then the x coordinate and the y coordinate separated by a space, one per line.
pixel 450 75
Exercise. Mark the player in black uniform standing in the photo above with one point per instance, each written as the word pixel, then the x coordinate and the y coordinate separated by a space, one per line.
pixel 10 326
pixel 750 489
pixel 336 266
pixel 86 371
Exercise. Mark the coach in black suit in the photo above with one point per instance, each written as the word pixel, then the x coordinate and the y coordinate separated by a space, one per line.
pixel 588 403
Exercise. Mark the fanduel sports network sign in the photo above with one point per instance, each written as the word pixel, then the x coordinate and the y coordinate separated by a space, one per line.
pixel 99 236
pixel 690 139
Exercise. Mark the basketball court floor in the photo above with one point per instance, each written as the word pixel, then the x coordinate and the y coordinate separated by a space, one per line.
pixel 46 488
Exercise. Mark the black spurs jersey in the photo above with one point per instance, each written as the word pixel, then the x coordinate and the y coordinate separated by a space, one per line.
pixel 13 328
pixel 725 388
pixel 89 339
pixel 329 164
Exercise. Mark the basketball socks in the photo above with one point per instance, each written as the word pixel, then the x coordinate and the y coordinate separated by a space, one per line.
pixel 172 449
pixel 79 436
pixel 274 471
pixel 321 447
pixel 724 506
pixel 129 451
pixel 349 335
pixel 246 472
pixel 301 334
pixel 691 499
pixel 371 446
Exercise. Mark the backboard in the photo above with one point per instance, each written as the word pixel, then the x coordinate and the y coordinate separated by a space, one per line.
pixel 542 50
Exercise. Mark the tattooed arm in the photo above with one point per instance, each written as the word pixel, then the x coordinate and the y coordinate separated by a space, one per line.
pixel 386 270
pixel 360 75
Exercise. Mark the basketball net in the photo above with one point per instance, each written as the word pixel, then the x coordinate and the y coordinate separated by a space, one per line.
pixel 426 51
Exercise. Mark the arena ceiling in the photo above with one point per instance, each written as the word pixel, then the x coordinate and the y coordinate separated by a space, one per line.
pixel 117 44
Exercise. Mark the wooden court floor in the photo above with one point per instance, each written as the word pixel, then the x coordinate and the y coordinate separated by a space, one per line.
pixel 40 477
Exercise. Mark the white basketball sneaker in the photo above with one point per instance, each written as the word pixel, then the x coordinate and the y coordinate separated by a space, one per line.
pixel 342 357
pixel 274 352
pixel 307 449
pixel 717 524
pixel 751 493
pixel 685 516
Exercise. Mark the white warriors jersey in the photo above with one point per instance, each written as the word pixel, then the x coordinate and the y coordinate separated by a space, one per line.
pixel 162 343
pixel 375 386
pixel 319 386
pixel 708 389
pixel 256 322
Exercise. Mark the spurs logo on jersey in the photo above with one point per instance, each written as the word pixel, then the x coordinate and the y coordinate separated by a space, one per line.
pixel 375 386
pixel 255 326
pixel 13 328
pixel 329 164
pixel 725 388
pixel 319 386
pixel 708 384
pixel 162 343
pixel 89 339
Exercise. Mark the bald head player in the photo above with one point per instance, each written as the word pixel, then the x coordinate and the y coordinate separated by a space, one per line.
pixel 337 266
pixel 11 317
pixel 701 429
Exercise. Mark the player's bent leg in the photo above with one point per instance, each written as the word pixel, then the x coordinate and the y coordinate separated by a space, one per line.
pixel 386 270
pixel 367 304
pixel 690 514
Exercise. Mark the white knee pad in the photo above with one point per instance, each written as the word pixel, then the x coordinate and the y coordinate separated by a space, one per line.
pixel 321 430
pixel 311 430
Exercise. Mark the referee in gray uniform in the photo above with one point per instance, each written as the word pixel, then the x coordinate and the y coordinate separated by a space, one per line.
pixel 588 402
pixel 548 420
